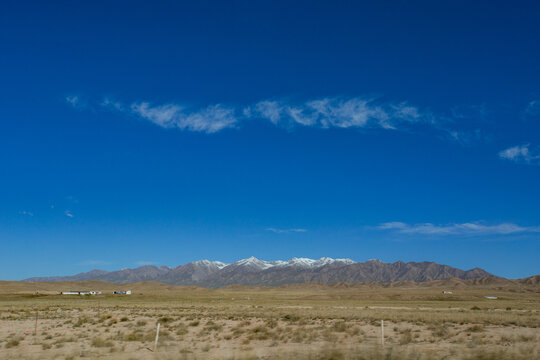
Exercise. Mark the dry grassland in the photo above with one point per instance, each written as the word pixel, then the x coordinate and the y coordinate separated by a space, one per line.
pixel 295 322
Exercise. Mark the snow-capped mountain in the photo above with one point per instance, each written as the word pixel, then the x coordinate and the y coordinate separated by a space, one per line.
pixel 256 264
pixel 256 272
pixel 253 263
pixel 313 264
pixel 193 272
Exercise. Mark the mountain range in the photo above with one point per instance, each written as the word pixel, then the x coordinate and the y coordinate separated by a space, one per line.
pixel 255 272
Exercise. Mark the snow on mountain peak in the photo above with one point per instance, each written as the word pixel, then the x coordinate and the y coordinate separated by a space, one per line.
pixel 218 264
pixel 319 263
pixel 345 261
pixel 307 263
pixel 303 262
pixel 253 262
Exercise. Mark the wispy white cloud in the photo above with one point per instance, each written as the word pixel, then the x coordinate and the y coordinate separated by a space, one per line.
pixel 356 112
pixel 211 119
pixel 521 154
pixel 112 104
pixel 27 213
pixel 68 214
pixel 286 231
pixel 324 113
pixel 75 101
pixel 72 100
pixel 267 109
pixel 473 228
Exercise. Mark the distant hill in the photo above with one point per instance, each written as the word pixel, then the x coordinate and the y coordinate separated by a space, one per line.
pixel 477 287
pixel 255 272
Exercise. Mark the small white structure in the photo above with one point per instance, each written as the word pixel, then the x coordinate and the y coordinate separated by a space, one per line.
pixel 491 297
pixel 447 292
pixel 122 292
pixel 77 292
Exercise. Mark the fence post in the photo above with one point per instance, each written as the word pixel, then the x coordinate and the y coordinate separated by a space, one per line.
pixel 382 332
pixel 35 328
pixel 157 337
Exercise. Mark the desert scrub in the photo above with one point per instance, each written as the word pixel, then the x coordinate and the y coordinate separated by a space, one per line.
pixel 63 340
pixel 291 317
pixel 13 343
pixel 405 337
pixel 486 354
pixel 339 326
pixel 355 331
pixel 81 321
pixel 526 338
pixel 329 336
pixel 477 340
pixel 181 330
pixel 259 333
pixel 99 342
pixel 439 331
pixel 134 336
pixel 475 328
pixel 164 334
pixel 212 326
pixel 165 320
pixel 104 317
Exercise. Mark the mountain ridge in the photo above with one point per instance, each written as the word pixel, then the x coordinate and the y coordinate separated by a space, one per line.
pixel 255 272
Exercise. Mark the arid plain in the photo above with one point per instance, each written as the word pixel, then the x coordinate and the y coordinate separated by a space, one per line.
pixel 309 321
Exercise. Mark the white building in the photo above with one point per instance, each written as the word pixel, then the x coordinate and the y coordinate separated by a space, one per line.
pixel 122 292
pixel 77 292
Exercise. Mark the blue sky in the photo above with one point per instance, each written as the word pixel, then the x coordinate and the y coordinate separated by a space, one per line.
pixel 165 132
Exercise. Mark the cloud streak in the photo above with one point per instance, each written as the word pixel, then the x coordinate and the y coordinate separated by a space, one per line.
pixel 72 100
pixel 285 231
pixel 463 229
pixel 326 113
pixel 75 101
pixel 323 113
pixel 209 120
pixel 521 154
